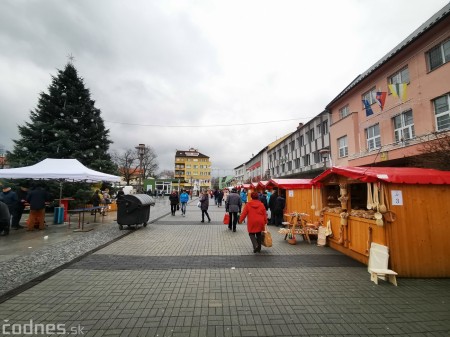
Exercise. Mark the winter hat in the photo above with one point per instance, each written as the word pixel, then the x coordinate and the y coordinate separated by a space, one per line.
pixel 254 195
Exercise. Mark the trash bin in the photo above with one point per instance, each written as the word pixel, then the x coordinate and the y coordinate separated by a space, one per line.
pixel 59 215
pixel 134 209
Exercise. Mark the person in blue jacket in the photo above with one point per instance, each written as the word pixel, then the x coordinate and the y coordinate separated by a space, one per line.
pixel 184 198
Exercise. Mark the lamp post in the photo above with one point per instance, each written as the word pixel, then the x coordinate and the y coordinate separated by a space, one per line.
pixel 141 151
pixel 325 153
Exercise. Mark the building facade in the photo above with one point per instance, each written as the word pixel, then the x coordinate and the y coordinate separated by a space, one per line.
pixel 192 170
pixel 386 114
pixel 305 152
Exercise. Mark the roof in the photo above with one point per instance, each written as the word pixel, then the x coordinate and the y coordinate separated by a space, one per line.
pixel 400 175
pixel 435 19
pixel 290 183
pixel 64 169
pixel 190 154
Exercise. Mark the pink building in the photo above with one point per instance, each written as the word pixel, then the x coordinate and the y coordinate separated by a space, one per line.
pixel 420 68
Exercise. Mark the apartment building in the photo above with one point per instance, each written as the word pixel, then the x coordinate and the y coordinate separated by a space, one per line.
pixel 192 170
pixel 304 153
pixel 257 167
pixel 383 117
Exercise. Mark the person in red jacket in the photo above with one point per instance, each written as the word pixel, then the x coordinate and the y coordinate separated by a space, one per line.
pixel 256 215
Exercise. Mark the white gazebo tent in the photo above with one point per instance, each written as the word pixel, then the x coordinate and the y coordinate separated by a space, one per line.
pixel 58 169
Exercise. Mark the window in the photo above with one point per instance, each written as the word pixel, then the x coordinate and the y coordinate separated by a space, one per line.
pixel 301 141
pixel 404 126
pixel 442 112
pixel 438 55
pixel 325 127
pixel 297 163
pixel 289 166
pixel 279 153
pixel 401 76
pixel 342 147
pixel 274 156
pixel 316 157
pixel 369 96
pixel 292 146
pixel 319 129
pixel 306 160
pixel 311 136
pixel 373 137
pixel 285 148
pixel 344 112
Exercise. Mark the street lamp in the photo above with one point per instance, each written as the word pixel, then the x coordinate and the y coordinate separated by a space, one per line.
pixel 325 153
pixel 141 152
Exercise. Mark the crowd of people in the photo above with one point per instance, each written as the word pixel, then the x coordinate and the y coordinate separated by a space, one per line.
pixel 12 205
pixel 259 209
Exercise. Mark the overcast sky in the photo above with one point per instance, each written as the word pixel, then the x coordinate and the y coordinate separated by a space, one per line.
pixel 225 77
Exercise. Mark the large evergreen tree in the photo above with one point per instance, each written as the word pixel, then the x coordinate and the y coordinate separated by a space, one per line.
pixel 65 124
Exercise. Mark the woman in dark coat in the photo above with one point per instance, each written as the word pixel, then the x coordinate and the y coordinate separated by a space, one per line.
pixel 204 205
pixel 174 201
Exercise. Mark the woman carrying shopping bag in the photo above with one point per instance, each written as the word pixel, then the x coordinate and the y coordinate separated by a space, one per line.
pixel 256 215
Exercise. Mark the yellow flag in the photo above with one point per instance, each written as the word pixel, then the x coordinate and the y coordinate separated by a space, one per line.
pixel 399 90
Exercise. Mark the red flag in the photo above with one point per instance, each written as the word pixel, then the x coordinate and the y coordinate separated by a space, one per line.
pixel 381 98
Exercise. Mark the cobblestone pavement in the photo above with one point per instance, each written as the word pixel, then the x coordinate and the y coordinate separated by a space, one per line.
pixel 180 277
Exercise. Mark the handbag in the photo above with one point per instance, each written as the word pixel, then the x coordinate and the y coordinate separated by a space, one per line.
pixel 266 238
pixel 226 219
pixel 199 204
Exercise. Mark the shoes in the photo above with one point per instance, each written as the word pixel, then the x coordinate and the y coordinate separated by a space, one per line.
pixel 17 227
pixel 209 220
pixel 202 221
pixel 258 249
pixel 255 250
pixel 234 230
pixel 229 228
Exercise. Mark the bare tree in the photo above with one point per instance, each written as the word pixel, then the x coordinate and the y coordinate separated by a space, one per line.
pixel 435 153
pixel 167 174
pixel 128 164
pixel 149 163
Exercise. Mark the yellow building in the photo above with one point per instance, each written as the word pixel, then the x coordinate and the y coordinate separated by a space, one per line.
pixel 192 170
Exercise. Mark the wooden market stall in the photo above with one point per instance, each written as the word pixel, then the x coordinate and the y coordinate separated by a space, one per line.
pixel 405 209
pixel 301 196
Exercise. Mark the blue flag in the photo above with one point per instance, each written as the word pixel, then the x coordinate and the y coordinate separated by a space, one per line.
pixel 367 107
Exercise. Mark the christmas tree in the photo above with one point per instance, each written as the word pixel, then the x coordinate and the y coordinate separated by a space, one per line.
pixel 65 124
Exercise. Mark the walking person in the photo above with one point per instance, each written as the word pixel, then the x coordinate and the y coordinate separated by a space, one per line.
pixel 96 199
pixel 219 198
pixel 9 197
pixel 37 198
pixel 174 201
pixel 256 215
pixel 4 219
pixel 204 205
pixel 244 197
pixel 280 204
pixel 233 206
pixel 272 203
pixel 21 201
pixel 184 198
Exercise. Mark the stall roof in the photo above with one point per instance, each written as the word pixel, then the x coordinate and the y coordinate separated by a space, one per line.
pixel 401 175
pixel 263 183
pixel 290 183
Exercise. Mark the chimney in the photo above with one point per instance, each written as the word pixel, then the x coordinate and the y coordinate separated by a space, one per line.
pixel 300 125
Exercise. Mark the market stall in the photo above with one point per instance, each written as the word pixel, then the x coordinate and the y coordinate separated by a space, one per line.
pixel 405 209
